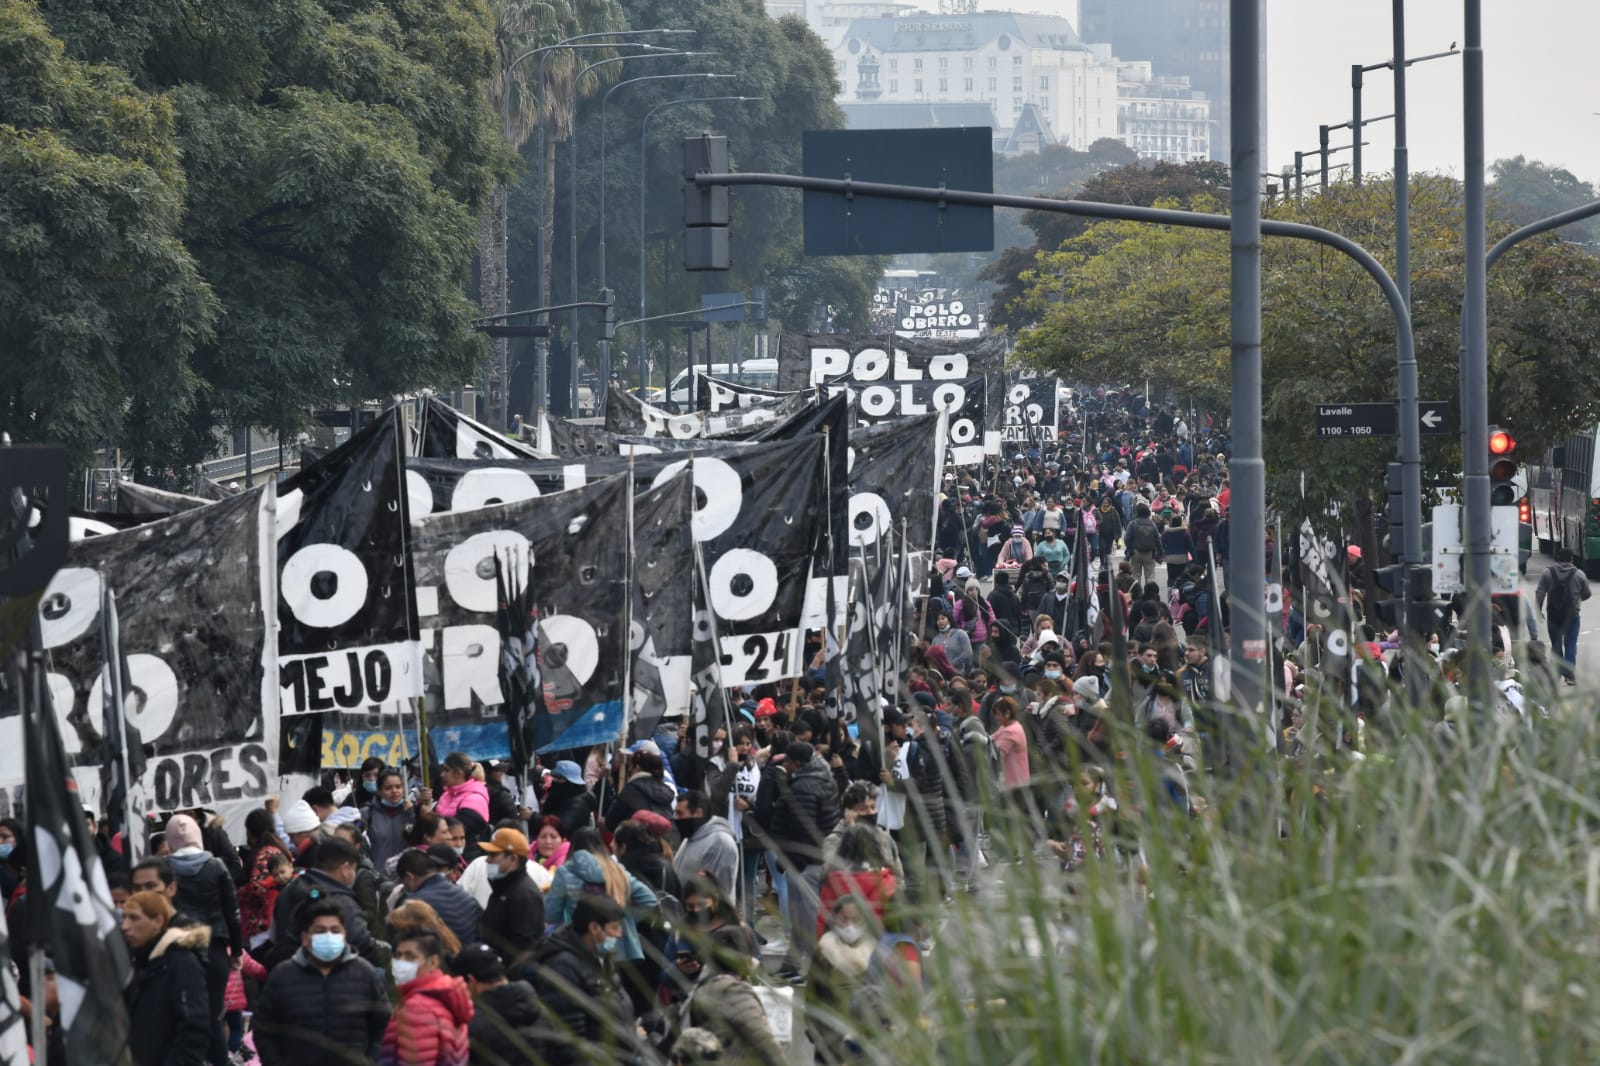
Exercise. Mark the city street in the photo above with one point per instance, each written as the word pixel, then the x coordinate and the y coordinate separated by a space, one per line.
pixel 1589 625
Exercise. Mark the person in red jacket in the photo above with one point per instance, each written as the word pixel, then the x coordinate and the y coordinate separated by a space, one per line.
pixel 430 1026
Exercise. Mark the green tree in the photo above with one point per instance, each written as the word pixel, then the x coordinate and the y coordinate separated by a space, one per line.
pixel 101 306
pixel 1128 302
pixel 337 158
pixel 1135 184
pixel 1528 190
pixel 785 64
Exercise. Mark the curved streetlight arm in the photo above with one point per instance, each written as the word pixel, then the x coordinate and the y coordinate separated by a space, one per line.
pixel 1544 225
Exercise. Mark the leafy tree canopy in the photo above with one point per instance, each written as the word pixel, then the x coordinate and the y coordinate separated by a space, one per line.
pixel 1528 190
pixel 1128 302
pixel 102 307
pixel 1134 184
pixel 330 160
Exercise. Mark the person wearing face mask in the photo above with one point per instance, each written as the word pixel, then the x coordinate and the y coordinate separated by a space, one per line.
pixel 721 999
pixel 954 643
pixel 386 816
pixel 326 1003
pixel 513 919
pixel 586 1012
pixel 708 846
pixel 1057 602
pixel 364 786
pixel 430 1026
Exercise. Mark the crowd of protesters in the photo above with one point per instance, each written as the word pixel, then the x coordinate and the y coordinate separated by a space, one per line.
pixel 637 905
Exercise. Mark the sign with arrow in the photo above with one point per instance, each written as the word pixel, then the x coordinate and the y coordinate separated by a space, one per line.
pixel 1437 419
pixel 1358 421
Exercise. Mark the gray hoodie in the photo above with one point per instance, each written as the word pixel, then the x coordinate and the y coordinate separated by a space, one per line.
pixel 714 849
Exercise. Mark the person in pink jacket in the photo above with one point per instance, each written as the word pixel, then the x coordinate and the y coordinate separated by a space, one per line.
pixel 465 796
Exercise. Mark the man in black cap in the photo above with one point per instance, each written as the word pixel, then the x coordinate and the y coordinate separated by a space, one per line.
pixel 505 1019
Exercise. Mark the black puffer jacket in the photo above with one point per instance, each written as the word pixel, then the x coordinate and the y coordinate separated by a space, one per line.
pixel 582 1007
pixel 504 1030
pixel 304 1016
pixel 286 931
pixel 206 893
pixel 925 787
pixel 168 1008
pixel 643 792
pixel 513 919
pixel 804 812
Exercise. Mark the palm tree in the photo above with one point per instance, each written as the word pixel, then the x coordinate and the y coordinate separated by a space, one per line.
pixel 520 26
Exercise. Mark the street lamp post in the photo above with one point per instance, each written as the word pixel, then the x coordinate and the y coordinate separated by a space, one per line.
pixel 640 361
pixel 603 39
pixel 572 216
pixel 605 345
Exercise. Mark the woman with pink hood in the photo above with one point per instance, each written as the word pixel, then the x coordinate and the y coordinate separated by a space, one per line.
pixel 465 796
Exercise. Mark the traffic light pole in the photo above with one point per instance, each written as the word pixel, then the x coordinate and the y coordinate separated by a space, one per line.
pixel 1249 556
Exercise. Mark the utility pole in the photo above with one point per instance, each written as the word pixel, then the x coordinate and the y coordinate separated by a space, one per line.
pixel 1247 644
pixel 1475 360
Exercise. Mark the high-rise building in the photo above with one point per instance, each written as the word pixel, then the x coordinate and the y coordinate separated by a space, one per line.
pixel 1180 38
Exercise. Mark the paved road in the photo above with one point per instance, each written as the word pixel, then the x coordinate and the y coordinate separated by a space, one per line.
pixel 1588 625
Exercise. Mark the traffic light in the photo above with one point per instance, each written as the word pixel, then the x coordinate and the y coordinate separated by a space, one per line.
pixel 705 207
pixel 1395 510
pixel 1391 578
pixel 1502 467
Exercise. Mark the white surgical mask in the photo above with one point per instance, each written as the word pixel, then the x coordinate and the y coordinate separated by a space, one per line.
pixel 404 971
pixel 850 933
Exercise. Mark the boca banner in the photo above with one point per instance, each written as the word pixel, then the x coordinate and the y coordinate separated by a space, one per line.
pixel 347 636
pixel 197 596
pixel 568 558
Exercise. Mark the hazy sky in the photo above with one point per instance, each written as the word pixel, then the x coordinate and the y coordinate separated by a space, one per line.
pixel 1542 80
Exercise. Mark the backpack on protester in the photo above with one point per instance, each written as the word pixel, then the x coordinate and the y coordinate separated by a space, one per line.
pixel 1560 604
pixel 1142 536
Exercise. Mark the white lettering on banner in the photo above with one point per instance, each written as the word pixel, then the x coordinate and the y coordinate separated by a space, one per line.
pixel 718 494
pixel 348 679
pixel 758 657
pixel 419 497
pixel 579 644
pixel 872 364
pixel 869 517
pixel 469 665
pixel 491 485
pixel 70 606
pixel 349 593
pixel 469 567
pixel 743 583
pixel 205 779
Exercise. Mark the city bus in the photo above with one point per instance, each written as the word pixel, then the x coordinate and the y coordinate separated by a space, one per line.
pixel 1564 499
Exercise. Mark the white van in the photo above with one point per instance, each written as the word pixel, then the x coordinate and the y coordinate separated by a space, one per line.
pixel 757 373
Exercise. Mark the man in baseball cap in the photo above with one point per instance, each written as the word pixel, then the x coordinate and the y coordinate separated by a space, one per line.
pixel 513 919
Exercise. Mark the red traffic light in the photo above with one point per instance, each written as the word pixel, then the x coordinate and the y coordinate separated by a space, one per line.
pixel 1501 442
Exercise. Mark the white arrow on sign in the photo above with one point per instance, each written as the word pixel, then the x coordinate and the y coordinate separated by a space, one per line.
pixel 1431 418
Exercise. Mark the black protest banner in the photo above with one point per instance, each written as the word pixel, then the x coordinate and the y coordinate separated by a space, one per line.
pixel 13 1022
pixel 663 552
pixel 195 594
pixel 347 637
pixel 627 415
pixel 564 439
pixel 872 666
pixel 894 479
pixel 69 909
pixel 569 558
pixel 717 395
pixel 133 498
pixel 448 434
pixel 1030 414
pixel 912 377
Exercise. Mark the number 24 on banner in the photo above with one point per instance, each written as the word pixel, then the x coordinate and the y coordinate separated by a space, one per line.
pixel 758 657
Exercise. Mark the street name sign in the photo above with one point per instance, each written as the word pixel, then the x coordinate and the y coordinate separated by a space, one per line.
pixel 1355 421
